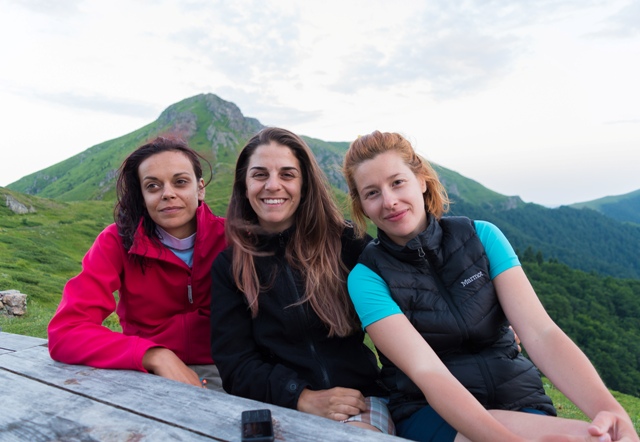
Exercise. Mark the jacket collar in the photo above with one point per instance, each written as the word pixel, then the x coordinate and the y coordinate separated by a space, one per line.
pixel 142 244
pixel 275 242
pixel 425 244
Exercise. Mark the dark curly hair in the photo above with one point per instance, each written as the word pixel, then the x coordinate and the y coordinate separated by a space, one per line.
pixel 130 207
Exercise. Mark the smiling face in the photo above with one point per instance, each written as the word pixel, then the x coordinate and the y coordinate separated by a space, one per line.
pixel 171 192
pixel 274 186
pixel 392 196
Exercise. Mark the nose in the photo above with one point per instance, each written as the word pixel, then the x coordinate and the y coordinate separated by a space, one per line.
pixel 388 199
pixel 168 192
pixel 272 183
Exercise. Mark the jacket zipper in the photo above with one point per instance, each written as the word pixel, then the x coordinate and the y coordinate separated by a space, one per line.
pixel 189 290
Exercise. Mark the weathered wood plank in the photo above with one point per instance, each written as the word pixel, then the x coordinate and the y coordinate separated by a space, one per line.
pixel 33 411
pixel 203 411
pixel 10 342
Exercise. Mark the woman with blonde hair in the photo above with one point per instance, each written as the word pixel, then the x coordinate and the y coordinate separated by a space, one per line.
pixel 437 294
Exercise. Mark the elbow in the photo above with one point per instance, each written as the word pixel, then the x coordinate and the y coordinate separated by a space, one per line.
pixel 56 344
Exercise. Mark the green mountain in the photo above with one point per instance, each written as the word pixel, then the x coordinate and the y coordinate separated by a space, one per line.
pixel 583 239
pixel 216 129
pixel 621 207
pixel 587 237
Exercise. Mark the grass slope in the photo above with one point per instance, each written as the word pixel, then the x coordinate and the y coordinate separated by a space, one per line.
pixel 40 251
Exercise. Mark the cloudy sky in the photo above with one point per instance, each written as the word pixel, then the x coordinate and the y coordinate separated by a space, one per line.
pixel 536 98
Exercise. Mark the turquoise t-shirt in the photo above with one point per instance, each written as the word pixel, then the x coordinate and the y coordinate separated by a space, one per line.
pixel 372 298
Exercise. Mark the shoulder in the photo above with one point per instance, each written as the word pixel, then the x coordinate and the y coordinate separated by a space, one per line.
pixel 349 235
pixel 109 235
pixel 458 229
pixel 456 222
pixel 370 253
pixel 210 229
pixel 352 246
pixel 107 245
pixel 205 215
pixel 487 231
pixel 224 257
pixel 485 226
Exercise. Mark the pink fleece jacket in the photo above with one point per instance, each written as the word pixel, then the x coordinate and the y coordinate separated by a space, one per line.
pixel 165 305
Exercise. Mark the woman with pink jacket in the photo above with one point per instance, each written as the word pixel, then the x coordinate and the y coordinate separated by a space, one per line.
pixel 156 257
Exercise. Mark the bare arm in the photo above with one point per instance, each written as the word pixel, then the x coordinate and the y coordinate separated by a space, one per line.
pixel 442 390
pixel 559 358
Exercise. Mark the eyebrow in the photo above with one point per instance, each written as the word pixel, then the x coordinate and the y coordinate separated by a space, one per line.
pixel 282 168
pixel 151 177
pixel 389 178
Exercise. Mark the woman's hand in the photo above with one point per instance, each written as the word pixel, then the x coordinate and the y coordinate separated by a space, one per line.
pixel 163 362
pixel 336 403
pixel 619 428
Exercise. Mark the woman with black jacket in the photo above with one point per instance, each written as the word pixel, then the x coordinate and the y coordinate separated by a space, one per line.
pixel 283 328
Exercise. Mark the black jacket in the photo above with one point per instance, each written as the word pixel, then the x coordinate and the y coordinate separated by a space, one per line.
pixel 440 280
pixel 273 357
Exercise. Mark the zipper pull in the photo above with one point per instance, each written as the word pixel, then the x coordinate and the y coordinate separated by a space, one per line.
pixel 189 291
pixel 421 252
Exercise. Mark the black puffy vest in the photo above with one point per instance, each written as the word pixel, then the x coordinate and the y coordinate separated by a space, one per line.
pixel 441 281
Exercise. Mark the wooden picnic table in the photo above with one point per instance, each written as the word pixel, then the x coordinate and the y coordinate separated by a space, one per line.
pixel 44 400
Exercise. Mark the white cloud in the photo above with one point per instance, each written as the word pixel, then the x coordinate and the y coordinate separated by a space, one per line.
pixel 503 92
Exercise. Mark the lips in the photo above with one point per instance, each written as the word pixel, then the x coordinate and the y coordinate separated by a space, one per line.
pixel 273 201
pixel 396 216
pixel 170 209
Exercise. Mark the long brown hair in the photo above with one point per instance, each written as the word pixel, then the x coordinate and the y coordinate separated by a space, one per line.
pixel 315 246
pixel 368 147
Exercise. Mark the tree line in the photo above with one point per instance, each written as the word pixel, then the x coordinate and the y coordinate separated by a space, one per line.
pixel 600 313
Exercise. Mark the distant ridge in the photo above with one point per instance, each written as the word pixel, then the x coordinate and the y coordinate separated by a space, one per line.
pixel 621 207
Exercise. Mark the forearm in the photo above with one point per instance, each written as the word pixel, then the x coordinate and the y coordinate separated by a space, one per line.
pixel 569 369
pixel 77 336
pixel 461 410
pixel 404 346
pixel 95 347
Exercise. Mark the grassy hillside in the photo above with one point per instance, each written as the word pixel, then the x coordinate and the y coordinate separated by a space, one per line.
pixel 39 251
pixel 568 410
